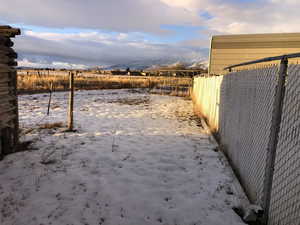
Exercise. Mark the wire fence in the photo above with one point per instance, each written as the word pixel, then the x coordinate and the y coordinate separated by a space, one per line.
pixel 246 111
pixel 285 193
pixel 50 83
pixel 256 115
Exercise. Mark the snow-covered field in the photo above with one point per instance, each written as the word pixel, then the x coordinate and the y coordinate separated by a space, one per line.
pixel 135 159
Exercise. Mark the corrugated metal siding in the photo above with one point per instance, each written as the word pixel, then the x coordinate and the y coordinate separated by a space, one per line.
pixel 8 92
pixel 228 50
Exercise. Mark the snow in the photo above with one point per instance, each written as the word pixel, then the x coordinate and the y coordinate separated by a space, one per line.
pixel 135 159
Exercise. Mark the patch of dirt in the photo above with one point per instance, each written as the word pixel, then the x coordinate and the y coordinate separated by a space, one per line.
pixel 48 127
pixel 51 125
pixel 131 101
pixel 187 116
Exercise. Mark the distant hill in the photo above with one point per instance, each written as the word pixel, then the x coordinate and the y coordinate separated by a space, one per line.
pixel 137 65
pixel 181 66
pixel 151 64
pixel 160 64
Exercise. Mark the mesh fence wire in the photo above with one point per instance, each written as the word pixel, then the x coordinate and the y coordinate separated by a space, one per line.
pixel 245 106
pixel 245 115
pixel 285 198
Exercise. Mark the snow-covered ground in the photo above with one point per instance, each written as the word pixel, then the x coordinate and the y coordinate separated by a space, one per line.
pixel 135 159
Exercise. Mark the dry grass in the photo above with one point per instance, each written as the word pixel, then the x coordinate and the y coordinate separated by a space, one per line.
pixel 41 83
pixel 51 125
pixel 173 90
pixel 39 127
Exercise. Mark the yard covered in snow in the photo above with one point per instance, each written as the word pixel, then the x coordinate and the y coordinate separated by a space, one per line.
pixel 135 159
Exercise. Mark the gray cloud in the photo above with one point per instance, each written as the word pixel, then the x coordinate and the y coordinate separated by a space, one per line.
pixel 231 16
pixel 129 16
pixel 116 15
pixel 125 16
pixel 106 51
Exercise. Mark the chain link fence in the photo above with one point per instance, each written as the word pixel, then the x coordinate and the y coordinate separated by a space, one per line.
pixel 246 115
pixel 285 195
pixel 240 108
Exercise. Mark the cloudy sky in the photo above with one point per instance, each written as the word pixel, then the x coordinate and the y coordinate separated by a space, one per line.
pixel 83 33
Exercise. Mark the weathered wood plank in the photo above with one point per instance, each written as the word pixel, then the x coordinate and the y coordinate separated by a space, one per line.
pixel 4 81
pixel 10 32
pixel 5 27
pixel 12 63
pixel 7 60
pixel 4 74
pixel 6 41
pixel 4 94
pixel 8 98
pixel 5 91
pixel 5 49
pixel 8 122
pixel 6 69
pixel 6 88
pixel 5 104
pixel 8 92
pixel 9 54
pixel 4 112
pixel 7 140
pixel 3 84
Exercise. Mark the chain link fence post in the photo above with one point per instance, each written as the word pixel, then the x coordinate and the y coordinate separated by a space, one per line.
pixel 272 145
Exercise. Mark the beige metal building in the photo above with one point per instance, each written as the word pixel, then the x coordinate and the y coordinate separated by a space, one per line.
pixel 228 50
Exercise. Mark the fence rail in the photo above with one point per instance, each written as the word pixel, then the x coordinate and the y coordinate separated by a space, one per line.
pixel 256 114
pixel 267 59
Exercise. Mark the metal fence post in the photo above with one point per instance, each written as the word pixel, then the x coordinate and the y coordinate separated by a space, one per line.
pixel 272 145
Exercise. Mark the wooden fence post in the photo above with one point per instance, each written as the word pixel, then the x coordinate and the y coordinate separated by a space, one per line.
pixel 49 102
pixel 71 101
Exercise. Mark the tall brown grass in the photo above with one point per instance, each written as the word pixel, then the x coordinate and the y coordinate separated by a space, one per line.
pixel 33 83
